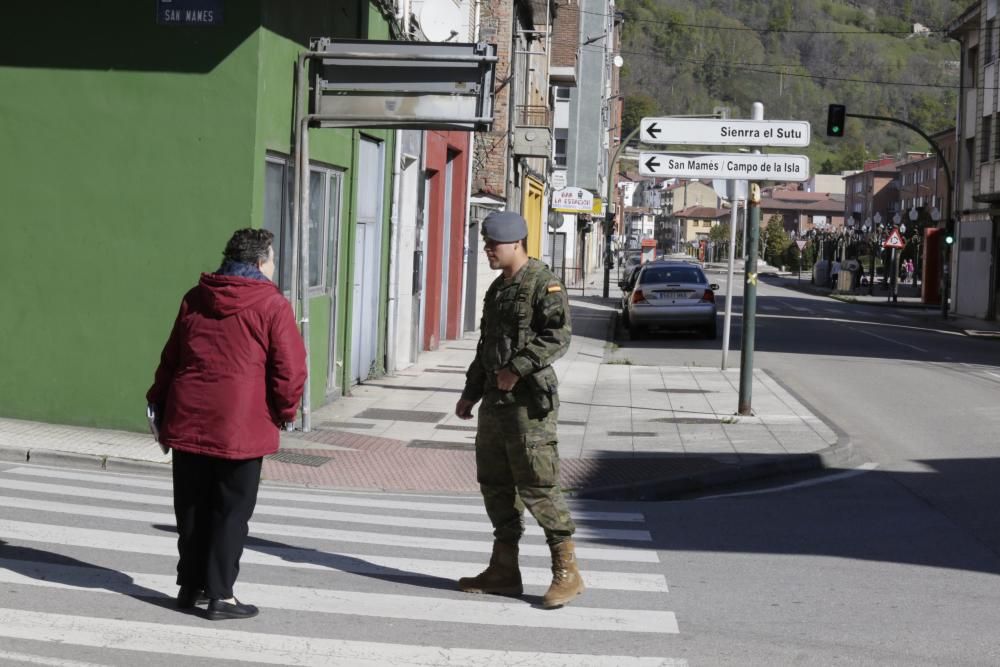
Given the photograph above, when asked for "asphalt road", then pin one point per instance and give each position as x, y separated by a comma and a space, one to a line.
896, 565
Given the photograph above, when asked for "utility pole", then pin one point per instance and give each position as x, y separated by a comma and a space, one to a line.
609, 216
750, 288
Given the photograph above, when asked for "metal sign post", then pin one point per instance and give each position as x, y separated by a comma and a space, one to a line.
727, 319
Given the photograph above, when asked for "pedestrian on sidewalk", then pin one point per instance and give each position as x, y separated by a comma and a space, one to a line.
525, 328
910, 271
231, 373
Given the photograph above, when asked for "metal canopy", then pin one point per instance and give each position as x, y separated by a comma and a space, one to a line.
404, 85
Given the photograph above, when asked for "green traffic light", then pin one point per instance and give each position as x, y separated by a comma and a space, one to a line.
835, 129
949, 239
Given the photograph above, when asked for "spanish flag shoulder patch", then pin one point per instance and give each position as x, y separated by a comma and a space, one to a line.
553, 288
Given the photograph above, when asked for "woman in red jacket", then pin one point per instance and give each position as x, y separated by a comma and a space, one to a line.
231, 374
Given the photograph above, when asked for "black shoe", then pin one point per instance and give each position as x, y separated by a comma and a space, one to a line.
220, 609
189, 596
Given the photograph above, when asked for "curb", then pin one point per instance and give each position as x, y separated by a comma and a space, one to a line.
839, 454
52, 457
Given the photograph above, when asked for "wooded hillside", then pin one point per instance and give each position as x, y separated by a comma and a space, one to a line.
796, 57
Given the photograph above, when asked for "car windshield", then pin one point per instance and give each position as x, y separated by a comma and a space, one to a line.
671, 274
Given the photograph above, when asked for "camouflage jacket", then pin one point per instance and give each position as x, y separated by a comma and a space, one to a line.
525, 327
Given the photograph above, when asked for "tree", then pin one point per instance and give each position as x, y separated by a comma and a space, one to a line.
637, 107
719, 236
776, 240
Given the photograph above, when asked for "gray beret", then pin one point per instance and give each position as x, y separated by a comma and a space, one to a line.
505, 227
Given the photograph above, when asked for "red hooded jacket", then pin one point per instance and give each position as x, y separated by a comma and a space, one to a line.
232, 370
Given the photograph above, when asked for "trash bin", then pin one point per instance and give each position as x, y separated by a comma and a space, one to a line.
821, 272
844, 280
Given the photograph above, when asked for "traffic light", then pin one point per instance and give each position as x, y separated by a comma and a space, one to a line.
836, 116
949, 232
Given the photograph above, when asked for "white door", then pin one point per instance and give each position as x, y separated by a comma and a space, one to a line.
367, 272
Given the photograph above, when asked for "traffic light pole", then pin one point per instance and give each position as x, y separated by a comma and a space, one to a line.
945, 249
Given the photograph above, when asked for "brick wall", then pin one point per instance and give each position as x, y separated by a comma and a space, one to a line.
566, 33
489, 171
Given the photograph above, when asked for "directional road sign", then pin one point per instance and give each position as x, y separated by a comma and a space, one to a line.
712, 132
895, 240
744, 166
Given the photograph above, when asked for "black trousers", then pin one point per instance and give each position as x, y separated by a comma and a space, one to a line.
213, 501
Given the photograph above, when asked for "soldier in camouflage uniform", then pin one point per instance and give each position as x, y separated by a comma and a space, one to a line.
525, 327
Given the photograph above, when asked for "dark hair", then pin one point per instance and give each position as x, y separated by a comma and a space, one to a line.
524, 244
248, 246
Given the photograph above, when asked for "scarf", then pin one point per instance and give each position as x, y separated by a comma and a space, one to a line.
240, 269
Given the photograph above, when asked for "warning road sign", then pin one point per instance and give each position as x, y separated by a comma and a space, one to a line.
895, 240
801, 244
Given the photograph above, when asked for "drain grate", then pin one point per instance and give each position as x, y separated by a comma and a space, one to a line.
300, 459
686, 420
633, 434
683, 391
385, 414
455, 427
436, 444
410, 387
336, 424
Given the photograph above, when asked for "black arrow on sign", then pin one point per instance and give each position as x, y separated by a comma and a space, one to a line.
653, 130
652, 164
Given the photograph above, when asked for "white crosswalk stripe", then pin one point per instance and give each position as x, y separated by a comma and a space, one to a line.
80, 551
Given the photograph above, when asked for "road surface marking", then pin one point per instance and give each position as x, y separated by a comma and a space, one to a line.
842, 320
327, 515
330, 534
475, 610
888, 340
452, 506
256, 647
44, 660
860, 470
310, 559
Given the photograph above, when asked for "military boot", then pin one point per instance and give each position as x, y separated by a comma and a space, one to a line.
566, 580
502, 576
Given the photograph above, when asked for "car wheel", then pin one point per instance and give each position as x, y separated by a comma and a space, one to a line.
625, 321
711, 331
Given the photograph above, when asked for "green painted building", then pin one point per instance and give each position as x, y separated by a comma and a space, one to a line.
130, 149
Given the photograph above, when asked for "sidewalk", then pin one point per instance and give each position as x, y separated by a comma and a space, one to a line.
625, 431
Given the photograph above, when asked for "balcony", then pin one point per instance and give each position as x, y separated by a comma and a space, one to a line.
533, 131
529, 115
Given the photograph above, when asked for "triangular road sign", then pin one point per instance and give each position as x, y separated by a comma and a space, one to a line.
895, 240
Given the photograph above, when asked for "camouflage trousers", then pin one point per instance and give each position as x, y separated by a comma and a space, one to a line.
517, 467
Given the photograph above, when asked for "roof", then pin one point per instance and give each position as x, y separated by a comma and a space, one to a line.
955, 28
702, 212
824, 205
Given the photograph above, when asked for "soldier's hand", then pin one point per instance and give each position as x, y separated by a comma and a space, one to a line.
506, 379
463, 409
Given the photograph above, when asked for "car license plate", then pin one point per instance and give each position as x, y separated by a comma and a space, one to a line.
672, 295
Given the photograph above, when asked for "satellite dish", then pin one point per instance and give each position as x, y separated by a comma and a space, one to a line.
440, 20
